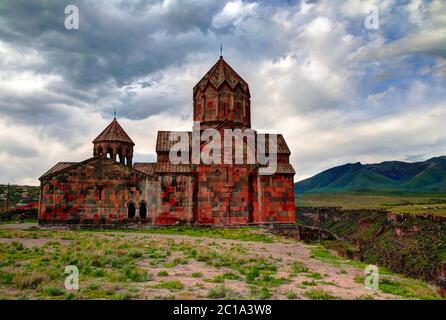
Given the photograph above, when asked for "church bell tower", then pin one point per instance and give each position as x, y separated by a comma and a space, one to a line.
222, 96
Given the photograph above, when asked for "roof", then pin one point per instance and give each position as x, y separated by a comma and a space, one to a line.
151, 168
58, 167
282, 147
147, 168
218, 74
173, 168
113, 132
163, 142
65, 166
285, 169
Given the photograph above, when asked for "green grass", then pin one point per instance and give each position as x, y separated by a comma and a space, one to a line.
314, 275
243, 234
395, 202
197, 274
319, 294
54, 292
175, 285
298, 267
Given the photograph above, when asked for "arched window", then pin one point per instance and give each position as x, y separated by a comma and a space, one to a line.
120, 156
143, 210
110, 153
131, 210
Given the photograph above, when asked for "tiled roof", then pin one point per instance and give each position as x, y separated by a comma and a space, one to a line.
282, 147
220, 73
152, 168
113, 132
147, 168
164, 144
65, 166
285, 169
173, 168
58, 167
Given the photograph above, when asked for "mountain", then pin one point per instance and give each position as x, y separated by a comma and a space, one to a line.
429, 175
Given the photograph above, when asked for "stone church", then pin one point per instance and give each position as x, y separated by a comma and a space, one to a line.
109, 189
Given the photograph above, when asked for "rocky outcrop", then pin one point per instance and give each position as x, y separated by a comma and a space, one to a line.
414, 245
303, 232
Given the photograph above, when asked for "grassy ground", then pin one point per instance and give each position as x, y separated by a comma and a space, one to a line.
394, 202
183, 263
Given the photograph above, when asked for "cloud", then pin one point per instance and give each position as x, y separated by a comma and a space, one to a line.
339, 92
233, 13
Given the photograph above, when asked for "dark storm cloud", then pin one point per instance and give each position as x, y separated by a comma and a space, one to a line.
116, 44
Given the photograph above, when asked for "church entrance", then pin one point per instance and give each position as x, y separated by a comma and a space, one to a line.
131, 210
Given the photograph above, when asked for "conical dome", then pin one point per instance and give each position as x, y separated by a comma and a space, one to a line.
115, 143
113, 132
218, 74
222, 96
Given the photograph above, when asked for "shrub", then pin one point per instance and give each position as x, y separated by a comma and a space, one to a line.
218, 292
197, 275
98, 273
314, 275
93, 286
135, 254
318, 294
265, 293
54, 292
69, 296
299, 267
134, 274
163, 273
29, 281
170, 285
6, 277
252, 274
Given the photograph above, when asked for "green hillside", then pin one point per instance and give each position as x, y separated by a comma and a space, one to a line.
425, 176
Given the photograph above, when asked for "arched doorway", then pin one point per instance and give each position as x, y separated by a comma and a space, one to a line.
143, 210
131, 210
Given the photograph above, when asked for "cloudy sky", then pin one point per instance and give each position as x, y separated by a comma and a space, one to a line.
339, 92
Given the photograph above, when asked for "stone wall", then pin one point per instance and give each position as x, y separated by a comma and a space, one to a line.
175, 199
96, 192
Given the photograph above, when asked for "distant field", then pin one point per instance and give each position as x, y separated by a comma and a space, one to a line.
394, 202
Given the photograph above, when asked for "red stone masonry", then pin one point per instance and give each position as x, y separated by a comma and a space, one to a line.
109, 189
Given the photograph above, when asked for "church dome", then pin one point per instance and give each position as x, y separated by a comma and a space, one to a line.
113, 132
115, 143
